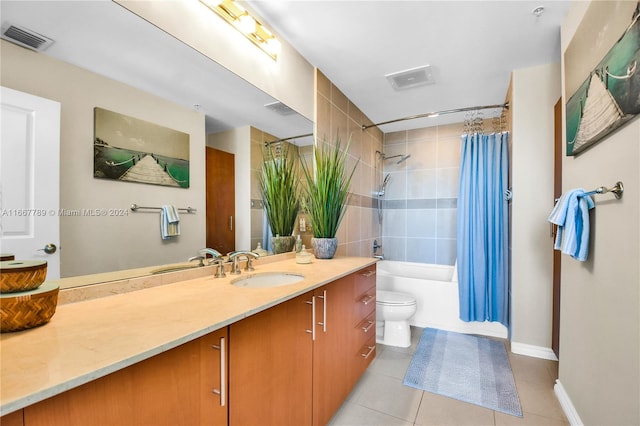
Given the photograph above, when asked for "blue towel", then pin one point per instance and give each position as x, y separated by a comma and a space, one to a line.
169, 222
571, 214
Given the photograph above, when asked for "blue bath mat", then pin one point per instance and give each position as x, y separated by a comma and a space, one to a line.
465, 367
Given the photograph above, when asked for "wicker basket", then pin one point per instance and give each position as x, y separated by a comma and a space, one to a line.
28, 309
22, 275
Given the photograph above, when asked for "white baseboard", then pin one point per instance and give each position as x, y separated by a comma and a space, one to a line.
532, 350
491, 329
567, 405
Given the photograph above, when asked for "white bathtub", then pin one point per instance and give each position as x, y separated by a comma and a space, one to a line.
435, 288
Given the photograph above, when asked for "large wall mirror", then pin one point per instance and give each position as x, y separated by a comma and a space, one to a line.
105, 56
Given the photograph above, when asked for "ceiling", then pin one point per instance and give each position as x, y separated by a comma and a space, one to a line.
472, 47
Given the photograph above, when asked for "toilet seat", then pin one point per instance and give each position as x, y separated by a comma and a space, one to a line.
394, 298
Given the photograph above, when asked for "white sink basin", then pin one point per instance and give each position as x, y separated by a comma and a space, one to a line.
267, 279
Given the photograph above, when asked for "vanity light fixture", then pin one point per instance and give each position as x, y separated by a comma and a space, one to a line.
240, 19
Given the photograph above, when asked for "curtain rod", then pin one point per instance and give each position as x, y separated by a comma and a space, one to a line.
437, 113
289, 138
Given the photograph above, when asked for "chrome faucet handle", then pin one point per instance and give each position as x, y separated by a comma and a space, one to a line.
213, 252
200, 258
220, 267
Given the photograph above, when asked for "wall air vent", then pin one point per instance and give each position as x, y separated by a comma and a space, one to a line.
280, 108
25, 37
410, 78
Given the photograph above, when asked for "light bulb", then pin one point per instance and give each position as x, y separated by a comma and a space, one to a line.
273, 46
247, 24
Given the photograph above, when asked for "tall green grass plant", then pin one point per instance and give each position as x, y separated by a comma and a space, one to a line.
326, 193
280, 187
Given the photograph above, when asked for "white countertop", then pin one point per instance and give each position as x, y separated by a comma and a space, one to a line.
90, 339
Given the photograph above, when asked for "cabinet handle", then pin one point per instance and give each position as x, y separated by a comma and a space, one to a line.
368, 354
368, 327
324, 311
366, 300
223, 373
313, 318
368, 273
230, 223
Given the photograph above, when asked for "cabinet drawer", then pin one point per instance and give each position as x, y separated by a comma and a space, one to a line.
365, 279
365, 329
363, 357
364, 304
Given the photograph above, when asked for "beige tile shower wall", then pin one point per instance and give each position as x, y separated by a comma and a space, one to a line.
338, 117
419, 219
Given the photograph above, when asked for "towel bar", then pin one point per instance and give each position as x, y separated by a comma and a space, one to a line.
135, 208
617, 190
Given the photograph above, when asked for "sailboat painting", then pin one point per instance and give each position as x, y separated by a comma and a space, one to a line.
602, 71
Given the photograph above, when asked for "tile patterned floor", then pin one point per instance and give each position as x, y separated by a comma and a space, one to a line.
381, 399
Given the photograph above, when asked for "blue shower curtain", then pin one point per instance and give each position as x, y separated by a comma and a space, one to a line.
482, 239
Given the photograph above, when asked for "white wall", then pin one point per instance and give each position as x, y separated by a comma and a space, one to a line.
96, 244
535, 91
600, 301
290, 79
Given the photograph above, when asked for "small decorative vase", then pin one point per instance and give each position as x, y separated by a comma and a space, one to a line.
324, 248
282, 244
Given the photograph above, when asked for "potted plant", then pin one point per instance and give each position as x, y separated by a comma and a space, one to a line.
279, 185
326, 195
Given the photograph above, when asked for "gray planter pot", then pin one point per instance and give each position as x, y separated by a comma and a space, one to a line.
324, 248
282, 244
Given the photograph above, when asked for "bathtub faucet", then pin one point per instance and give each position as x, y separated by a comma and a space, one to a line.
376, 246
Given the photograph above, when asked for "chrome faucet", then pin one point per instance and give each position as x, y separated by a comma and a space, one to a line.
200, 258
213, 252
233, 258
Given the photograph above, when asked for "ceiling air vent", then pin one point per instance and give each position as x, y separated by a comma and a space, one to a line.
411, 78
280, 108
26, 37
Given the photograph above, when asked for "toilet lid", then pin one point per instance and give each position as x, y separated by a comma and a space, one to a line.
394, 298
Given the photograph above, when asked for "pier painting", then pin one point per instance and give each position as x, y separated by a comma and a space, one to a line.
604, 84
133, 150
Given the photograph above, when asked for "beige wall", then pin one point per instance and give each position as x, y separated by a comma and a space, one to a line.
289, 79
96, 244
535, 91
600, 301
338, 116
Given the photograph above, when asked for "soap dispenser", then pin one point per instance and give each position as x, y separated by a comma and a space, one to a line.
260, 251
303, 256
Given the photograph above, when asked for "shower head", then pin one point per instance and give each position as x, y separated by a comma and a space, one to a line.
386, 179
403, 158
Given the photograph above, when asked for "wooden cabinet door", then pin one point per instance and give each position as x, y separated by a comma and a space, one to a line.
270, 366
105, 401
13, 419
172, 388
331, 349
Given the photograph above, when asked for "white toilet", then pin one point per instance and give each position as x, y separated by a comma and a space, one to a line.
393, 311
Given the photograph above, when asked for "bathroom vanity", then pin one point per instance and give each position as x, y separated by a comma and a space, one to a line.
201, 351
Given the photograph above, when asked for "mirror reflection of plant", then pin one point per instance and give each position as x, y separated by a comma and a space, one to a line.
327, 187
279, 185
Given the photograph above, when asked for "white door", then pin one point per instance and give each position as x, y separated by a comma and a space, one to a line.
30, 178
